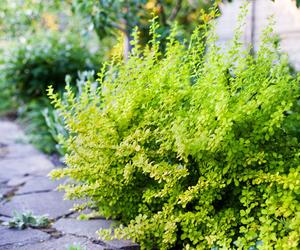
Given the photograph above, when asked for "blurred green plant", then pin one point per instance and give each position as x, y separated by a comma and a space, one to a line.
114, 17
27, 219
7, 102
111, 17
41, 42
54, 121
43, 59
75, 246
30, 116
30, 66
19, 17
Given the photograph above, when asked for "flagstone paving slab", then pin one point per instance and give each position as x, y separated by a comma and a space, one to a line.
37, 164
85, 228
38, 184
50, 203
10, 132
17, 181
62, 244
9, 237
18, 150
88, 228
3, 150
4, 219
3, 179
5, 191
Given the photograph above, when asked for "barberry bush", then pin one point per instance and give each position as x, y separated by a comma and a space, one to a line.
192, 149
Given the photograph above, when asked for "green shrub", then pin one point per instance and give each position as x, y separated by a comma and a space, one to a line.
45, 59
192, 149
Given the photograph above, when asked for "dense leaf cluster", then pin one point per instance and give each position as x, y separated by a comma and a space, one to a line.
193, 149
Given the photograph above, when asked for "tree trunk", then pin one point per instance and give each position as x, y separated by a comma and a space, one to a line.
127, 46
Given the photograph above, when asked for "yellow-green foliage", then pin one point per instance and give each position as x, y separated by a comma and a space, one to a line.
190, 149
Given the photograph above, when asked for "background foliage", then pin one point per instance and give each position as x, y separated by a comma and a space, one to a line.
111, 17
19, 16
43, 59
41, 42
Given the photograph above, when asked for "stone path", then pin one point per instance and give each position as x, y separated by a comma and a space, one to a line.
24, 186
285, 13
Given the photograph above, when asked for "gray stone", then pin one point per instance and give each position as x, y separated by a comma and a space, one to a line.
17, 181
85, 228
62, 244
14, 151
10, 132
6, 191
122, 244
3, 150
13, 237
38, 184
37, 164
4, 219
48, 203
3, 180
90, 214
88, 228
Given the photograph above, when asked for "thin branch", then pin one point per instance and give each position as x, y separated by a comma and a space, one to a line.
162, 13
175, 10
117, 26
